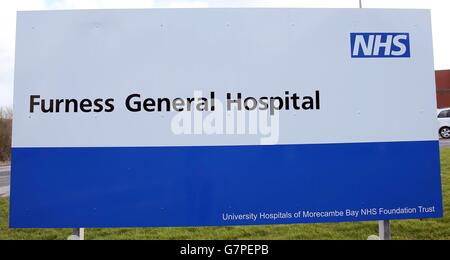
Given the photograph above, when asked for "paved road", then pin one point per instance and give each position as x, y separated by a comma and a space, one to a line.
445, 143
5, 172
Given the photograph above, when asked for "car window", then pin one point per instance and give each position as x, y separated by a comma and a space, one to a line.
444, 114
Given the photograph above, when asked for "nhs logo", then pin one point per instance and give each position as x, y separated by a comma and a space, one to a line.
380, 45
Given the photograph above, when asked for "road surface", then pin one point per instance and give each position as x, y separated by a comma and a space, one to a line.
5, 172
445, 143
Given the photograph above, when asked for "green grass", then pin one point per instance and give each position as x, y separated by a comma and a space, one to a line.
410, 229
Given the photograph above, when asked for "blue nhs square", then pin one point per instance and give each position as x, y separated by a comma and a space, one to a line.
380, 45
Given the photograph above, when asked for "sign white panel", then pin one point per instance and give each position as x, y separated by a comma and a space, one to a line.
257, 52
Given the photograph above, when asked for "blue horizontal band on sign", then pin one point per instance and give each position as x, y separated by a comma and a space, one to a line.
203, 186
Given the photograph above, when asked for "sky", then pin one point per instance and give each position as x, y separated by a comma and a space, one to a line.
440, 18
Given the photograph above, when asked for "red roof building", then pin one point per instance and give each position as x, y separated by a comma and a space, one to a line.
443, 88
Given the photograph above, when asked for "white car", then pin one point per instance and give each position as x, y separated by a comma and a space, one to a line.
444, 122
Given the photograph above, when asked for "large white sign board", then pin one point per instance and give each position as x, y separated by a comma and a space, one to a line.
352, 92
